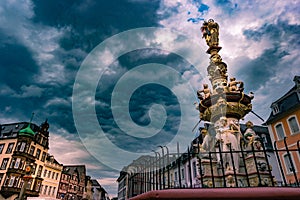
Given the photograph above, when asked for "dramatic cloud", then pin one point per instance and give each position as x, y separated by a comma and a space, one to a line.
260, 42
43, 45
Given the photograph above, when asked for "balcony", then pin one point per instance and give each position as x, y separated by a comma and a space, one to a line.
16, 171
9, 191
23, 154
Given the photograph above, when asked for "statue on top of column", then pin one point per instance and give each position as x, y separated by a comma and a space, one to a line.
210, 31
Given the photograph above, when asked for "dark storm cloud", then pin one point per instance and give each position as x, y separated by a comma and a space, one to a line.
93, 21
141, 100
262, 68
282, 31
17, 66
85, 24
266, 65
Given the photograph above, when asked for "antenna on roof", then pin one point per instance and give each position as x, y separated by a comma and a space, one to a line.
31, 117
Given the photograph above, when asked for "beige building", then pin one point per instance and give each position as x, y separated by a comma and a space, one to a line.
51, 175
22, 144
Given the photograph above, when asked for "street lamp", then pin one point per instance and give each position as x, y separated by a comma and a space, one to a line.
156, 153
168, 164
26, 178
163, 160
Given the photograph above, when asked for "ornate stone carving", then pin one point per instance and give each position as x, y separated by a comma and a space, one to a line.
235, 86
206, 92
210, 31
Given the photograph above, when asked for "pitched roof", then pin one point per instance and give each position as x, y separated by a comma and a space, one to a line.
12, 130
52, 159
286, 103
95, 183
80, 169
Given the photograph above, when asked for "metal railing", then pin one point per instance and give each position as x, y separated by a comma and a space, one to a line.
253, 170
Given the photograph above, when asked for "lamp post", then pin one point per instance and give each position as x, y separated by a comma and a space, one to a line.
163, 167
168, 164
156, 153
26, 178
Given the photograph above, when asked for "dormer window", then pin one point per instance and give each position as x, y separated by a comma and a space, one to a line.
275, 109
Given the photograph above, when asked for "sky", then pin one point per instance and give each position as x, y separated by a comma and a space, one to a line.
117, 78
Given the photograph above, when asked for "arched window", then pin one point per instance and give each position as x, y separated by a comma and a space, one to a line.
279, 131
293, 124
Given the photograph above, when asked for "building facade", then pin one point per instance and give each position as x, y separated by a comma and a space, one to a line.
99, 192
51, 175
283, 124
72, 183
123, 184
22, 144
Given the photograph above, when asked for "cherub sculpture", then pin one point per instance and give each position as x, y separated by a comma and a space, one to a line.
250, 137
206, 92
233, 85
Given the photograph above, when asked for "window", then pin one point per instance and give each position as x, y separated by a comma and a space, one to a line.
21, 146
29, 184
49, 174
45, 173
182, 173
11, 181
49, 191
175, 174
31, 151
43, 157
17, 163
1, 147
6, 180
288, 163
53, 191
56, 177
275, 109
1, 177
45, 189
293, 124
264, 140
45, 142
38, 186
194, 169
16, 182
12, 163
279, 131
10, 147
33, 168
38, 138
53, 175
21, 164
39, 173
38, 153
4, 163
